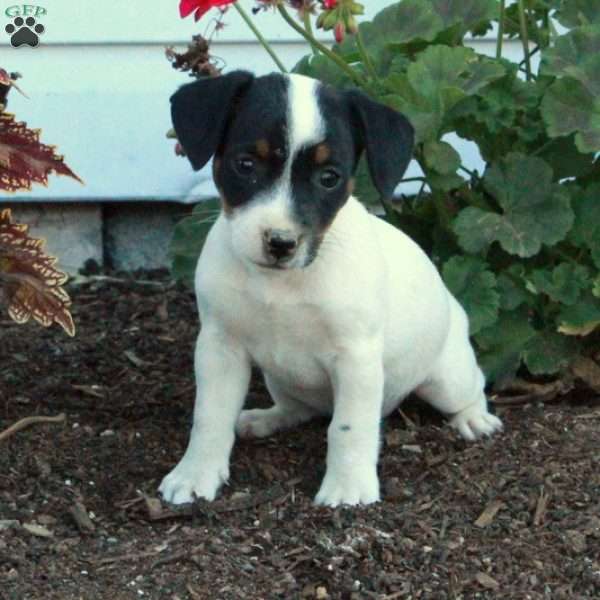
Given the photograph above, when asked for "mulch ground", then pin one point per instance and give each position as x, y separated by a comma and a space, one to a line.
516, 516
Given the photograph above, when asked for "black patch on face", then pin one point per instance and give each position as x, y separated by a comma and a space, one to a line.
316, 202
227, 116
345, 428
259, 123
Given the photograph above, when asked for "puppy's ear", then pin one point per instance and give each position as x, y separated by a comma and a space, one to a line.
200, 112
388, 138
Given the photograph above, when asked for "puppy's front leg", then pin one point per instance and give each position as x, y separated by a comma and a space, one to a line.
222, 371
353, 435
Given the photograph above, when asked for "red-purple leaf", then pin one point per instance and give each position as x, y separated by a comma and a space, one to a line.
29, 281
24, 159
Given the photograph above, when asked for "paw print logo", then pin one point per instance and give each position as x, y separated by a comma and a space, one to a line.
24, 32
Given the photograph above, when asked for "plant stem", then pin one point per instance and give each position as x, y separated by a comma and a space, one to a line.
260, 37
534, 51
418, 197
471, 174
365, 55
524, 38
546, 28
308, 27
500, 37
338, 60
533, 77
543, 147
413, 179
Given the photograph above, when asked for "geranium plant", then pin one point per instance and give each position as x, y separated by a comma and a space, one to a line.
519, 243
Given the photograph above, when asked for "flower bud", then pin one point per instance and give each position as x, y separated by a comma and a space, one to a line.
351, 25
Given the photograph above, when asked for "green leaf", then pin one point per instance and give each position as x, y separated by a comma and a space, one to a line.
568, 107
549, 352
395, 26
476, 228
474, 286
577, 55
535, 210
441, 157
437, 74
482, 73
188, 239
501, 346
511, 285
573, 13
504, 118
421, 112
324, 69
470, 14
444, 183
581, 318
405, 22
596, 288
586, 228
563, 284
413, 21
565, 159
435, 82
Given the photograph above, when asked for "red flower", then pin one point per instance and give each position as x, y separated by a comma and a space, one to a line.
329, 4
199, 7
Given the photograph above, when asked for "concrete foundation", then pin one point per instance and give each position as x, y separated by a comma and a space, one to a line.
125, 236
73, 232
138, 235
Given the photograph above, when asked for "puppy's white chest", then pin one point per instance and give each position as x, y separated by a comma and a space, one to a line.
285, 334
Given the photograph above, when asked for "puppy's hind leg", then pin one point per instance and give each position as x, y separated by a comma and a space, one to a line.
456, 384
285, 413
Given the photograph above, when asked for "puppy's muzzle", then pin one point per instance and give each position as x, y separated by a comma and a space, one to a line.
280, 244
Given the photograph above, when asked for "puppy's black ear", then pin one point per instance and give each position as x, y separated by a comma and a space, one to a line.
388, 138
200, 112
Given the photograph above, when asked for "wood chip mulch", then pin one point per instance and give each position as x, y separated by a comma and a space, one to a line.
516, 516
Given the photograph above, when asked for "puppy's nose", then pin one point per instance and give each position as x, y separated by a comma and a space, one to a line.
280, 243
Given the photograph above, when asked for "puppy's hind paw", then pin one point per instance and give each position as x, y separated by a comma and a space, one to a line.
259, 422
475, 422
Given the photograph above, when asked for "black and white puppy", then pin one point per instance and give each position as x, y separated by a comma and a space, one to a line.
344, 314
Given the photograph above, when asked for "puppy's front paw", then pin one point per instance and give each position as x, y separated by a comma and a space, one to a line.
475, 421
360, 487
188, 481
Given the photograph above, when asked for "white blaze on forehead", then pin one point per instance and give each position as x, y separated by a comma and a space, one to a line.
273, 208
305, 121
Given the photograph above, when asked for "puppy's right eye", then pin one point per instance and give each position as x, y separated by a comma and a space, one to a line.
245, 165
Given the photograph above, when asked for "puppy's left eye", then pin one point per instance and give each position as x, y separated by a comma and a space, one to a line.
245, 165
329, 179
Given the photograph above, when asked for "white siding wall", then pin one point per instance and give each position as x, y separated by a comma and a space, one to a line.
99, 88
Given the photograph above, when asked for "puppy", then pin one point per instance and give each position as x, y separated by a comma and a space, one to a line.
344, 314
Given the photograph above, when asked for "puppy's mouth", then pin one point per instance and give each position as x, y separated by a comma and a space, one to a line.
277, 265
272, 266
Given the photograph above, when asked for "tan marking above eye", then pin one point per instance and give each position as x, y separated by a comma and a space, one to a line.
322, 153
263, 148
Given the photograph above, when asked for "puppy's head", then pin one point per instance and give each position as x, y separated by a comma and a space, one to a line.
285, 150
